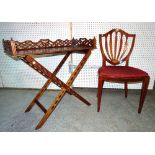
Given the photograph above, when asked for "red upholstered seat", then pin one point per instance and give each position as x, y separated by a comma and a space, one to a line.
115, 72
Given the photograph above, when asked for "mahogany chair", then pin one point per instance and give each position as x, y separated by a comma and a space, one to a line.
116, 47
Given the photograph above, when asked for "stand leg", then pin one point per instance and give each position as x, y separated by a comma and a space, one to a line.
40, 93
63, 91
43, 89
51, 108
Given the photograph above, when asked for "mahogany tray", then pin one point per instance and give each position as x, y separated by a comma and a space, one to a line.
46, 46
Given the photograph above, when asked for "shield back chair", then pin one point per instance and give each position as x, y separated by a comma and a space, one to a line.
116, 47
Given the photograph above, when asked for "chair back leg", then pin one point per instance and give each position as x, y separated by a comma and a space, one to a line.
126, 89
144, 89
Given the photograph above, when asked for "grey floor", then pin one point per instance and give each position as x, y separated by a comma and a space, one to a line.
117, 112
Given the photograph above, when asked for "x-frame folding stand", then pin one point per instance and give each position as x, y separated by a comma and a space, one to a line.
85, 48
52, 78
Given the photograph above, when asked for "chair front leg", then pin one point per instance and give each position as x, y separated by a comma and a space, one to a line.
99, 93
145, 84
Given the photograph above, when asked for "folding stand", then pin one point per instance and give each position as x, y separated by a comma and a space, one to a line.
27, 49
